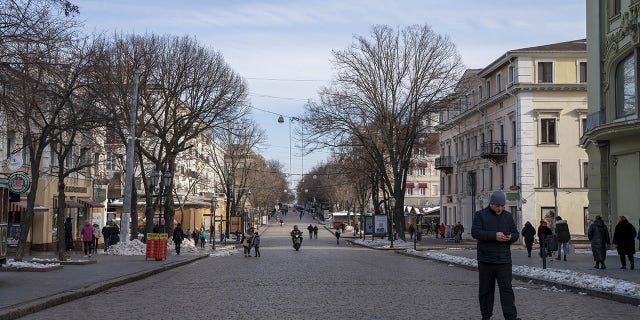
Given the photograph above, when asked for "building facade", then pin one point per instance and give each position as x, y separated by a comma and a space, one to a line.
613, 127
516, 128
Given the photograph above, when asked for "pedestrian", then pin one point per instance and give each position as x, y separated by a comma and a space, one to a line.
114, 234
195, 236
562, 236
255, 243
315, 231
599, 237
246, 244
458, 229
495, 230
106, 233
310, 229
625, 242
96, 236
528, 233
544, 234
338, 232
411, 231
87, 238
203, 237
441, 229
178, 236
68, 235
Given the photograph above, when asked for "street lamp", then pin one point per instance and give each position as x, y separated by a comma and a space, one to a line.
392, 203
281, 120
212, 229
159, 187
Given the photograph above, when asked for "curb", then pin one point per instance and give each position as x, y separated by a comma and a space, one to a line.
574, 289
23, 309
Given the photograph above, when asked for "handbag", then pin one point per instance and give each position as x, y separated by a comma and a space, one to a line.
571, 249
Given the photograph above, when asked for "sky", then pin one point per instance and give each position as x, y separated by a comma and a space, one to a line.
283, 48
454, 257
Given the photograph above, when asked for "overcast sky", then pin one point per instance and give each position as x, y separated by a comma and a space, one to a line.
283, 48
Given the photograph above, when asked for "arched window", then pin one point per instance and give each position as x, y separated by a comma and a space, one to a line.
626, 87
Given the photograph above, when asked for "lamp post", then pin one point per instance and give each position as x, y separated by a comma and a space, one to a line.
212, 229
281, 120
159, 188
392, 203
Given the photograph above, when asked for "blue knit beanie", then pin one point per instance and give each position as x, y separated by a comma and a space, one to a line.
497, 197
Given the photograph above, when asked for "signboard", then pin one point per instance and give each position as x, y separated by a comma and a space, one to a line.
234, 224
156, 246
14, 162
19, 182
368, 224
380, 224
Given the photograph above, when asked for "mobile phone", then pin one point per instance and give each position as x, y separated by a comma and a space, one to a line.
507, 233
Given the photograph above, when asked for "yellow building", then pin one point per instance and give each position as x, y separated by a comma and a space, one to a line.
517, 129
613, 128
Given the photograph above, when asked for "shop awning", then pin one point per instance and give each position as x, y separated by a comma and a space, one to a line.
422, 185
90, 203
22, 207
68, 203
411, 185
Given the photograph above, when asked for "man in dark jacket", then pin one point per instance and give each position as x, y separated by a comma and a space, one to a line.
495, 230
563, 236
625, 242
178, 236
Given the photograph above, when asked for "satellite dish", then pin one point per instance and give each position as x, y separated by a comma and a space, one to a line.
14, 162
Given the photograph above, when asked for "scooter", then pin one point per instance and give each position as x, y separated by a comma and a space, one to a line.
297, 242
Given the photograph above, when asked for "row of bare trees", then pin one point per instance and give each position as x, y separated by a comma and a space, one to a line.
63, 91
388, 90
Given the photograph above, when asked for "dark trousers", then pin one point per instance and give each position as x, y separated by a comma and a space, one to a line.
623, 261
488, 275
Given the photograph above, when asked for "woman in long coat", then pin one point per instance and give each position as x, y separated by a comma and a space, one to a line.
624, 238
599, 237
528, 233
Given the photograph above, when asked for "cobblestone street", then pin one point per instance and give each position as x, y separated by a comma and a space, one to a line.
321, 281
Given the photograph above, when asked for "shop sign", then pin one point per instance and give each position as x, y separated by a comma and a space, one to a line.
19, 182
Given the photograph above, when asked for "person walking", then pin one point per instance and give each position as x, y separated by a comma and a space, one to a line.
195, 236
338, 232
315, 231
528, 233
441, 229
458, 229
598, 235
411, 231
203, 237
310, 229
562, 236
624, 239
87, 238
178, 236
255, 243
246, 244
544, 234
68, 235
106, 232
96, 237
495, 230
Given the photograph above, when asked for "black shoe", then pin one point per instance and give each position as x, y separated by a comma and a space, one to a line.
632, 266
596, 266
623, 267
565, 257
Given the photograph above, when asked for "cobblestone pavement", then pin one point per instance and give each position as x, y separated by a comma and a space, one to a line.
322, 280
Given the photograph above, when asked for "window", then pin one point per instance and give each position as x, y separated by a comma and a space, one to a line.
490, 178
501, 170
615, 7
435, 190
582, 71
626, 87
585, 174
449, 184
548, 131
409, 191
512, 74
488, 88
583, 126
110, 164
514, 174
545, 72
548, 174
423, 191
479, 93
498, 82
513, 133
410, 171
482, 175
422, 171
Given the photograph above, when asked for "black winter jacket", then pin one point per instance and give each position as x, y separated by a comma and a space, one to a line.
485, 225
562, 231
624, 237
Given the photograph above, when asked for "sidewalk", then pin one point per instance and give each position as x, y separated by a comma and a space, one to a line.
28, 292
570, 275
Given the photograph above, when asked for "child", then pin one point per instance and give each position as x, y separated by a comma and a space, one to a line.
255, 242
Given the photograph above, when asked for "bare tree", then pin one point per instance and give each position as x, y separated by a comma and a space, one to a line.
387, 88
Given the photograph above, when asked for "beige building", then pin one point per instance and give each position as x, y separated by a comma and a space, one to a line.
613, 128
423, 180
517, 129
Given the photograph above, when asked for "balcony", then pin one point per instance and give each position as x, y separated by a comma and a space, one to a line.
445, 164
594, 120
494, 151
